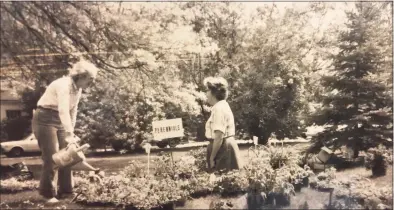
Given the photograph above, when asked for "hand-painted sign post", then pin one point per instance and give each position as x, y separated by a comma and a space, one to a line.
165, 129
147, 150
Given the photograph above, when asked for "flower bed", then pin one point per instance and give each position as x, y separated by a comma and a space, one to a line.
355, 192
12, 185
171, 182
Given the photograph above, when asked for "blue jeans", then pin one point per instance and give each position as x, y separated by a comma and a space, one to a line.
50, 134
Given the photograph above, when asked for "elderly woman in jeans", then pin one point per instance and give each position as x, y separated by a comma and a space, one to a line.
53, 126
223, 152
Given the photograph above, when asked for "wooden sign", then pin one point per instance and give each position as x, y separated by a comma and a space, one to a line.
165, 129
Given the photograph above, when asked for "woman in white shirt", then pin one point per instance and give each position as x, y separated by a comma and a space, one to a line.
53, 125
222, 152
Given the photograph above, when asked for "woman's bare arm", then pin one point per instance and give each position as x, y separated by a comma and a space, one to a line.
217, 142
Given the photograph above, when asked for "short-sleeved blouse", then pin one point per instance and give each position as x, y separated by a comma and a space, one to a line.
221, 119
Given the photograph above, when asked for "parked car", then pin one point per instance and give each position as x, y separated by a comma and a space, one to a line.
20, 147
168, 142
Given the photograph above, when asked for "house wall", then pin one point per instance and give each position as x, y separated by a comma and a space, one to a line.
9, 105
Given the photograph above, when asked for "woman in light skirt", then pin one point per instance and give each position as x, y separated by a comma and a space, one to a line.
222, 152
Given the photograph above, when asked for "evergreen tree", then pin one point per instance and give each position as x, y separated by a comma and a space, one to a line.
359, 105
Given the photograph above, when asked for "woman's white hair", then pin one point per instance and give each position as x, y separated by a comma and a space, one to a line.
83, 67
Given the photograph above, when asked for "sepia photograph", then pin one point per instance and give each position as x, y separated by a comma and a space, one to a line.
169, 105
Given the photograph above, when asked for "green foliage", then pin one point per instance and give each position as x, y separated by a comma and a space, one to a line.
279, 156
378, 159
12, 185
15, 129
171, 181
200, 156
324, 180
3, 133
359, 192
232, 183
153, 69
357, 99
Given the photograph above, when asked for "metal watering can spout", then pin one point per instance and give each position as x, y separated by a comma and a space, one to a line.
69, 156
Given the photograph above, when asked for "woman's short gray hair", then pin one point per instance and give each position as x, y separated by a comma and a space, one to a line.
83, 67
218, 87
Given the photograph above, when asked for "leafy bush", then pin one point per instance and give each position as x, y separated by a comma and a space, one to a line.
280, 156
15, 129
142, 193
12, 185
378, 159
186, 167
165, 167
121, 116
135, 169
358, 190
199, 185
324, 180
176, 180
3, 133
294, 173
232, 183
220, 205
200, 156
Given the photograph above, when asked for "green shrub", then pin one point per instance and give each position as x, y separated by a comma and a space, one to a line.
121, 116
232, 183
135, 169
12, 185
15, 129
378, 159
3, 133
358, 190
199, 185
200, 156
324, 180
279, 156
176, 180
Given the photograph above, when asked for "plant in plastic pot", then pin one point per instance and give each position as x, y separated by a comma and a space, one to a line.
378, 159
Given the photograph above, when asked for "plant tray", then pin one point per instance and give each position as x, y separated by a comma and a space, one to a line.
323, 189
200, 193
167, 206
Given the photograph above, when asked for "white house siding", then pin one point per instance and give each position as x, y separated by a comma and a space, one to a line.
9, 105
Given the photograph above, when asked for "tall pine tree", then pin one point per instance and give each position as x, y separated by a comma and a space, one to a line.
358, 105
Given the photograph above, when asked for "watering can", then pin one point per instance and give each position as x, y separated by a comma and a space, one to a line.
70, 156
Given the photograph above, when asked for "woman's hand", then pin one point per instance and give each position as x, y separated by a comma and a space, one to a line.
70, 138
